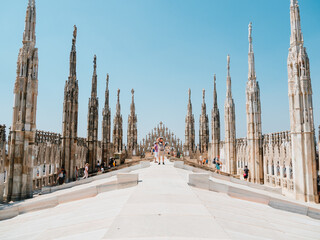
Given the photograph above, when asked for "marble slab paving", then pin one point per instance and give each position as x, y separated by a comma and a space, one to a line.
162, 206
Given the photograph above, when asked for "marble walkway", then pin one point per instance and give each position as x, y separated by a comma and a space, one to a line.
161, 206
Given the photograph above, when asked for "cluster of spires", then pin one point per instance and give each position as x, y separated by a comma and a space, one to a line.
253, 116
299, 85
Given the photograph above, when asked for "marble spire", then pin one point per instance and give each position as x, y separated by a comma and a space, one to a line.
29, 35
189, 145
253, 110
230, 126
301, 113
203, 127
93, 116
106, 126
132, 132
70, 113
117, 127
24, 113
215, 122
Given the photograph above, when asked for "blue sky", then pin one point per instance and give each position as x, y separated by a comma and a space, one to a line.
160, 48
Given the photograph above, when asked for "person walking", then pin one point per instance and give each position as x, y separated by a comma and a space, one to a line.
246, 173
86, 171
156, 151
161, 150
218, 165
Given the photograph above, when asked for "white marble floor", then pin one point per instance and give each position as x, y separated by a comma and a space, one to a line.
162, 206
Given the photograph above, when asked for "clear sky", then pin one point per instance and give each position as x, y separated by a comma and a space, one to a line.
160, 48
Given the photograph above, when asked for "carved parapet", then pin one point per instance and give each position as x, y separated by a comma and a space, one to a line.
2, 133
277, 138
241, 141
82, 142
47, 137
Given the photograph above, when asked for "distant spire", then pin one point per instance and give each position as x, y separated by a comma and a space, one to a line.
251, 71
94, 78
189, 102
29, 34
229, 93
132, 92
107, 93
250, 38
228, 65
215, 101
296, 33
132, 108
73, 54
118, 102
203, 96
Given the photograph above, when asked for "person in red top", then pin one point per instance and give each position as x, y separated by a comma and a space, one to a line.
161, 150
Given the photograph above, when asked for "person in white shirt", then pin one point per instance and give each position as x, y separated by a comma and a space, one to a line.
161, 148
86, 171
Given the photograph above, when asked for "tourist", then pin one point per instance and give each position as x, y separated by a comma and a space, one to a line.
86, 171
155, 151
214, 160
98, 166
200, 160
161, 150
246, 173
61, 176
218, 165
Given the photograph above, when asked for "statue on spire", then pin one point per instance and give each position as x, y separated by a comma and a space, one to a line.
74, 32
203, 94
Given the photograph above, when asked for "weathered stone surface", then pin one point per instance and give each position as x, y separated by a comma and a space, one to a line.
203, 127
117, 128
93, 108
200, 180
70, 114
123, 178
24, 113
301, 113
106, 127
230, 151
132, 132
215, 124
189, 143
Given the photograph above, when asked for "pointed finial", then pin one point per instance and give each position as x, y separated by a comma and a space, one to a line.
118, 94
132, 92
294, 2
250, 38
74, 32
189, 94
32, 3
214, 79
203, 94
228, 66
107, 80
95, 62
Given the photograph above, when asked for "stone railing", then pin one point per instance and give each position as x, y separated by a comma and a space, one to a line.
42, 137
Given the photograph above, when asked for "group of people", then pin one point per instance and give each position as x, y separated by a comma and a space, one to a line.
159, 150
217, 163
